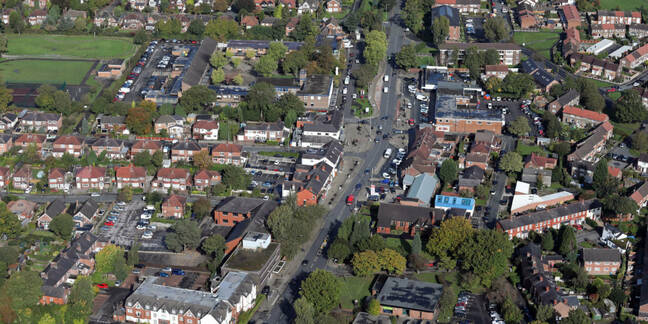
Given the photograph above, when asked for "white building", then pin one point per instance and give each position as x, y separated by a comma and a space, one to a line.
256, 240
601, 46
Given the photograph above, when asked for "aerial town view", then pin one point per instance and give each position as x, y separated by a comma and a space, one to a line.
324, 161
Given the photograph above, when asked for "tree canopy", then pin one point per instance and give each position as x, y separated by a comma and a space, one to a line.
322, 290
185, 234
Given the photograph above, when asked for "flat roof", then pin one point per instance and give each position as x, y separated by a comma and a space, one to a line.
446, 107
454, 202
410, 294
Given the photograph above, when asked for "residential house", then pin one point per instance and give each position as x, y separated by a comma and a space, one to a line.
91, 177
85, 213
317, 92
69, 144
23, 209
149, 146
470, 178
582, 118
640, 196
642, 163
544, 80
333, 6
601, 261
173, 206
42, 4
37, 17
499, 71
532, 175
5, 176
235, 210
464, 6
477, 159
249, 21
407, 298
109, 124
540, 162
185, 151
582, 171
526, 19
307, 6
570, 98
133, 21
269, 21
263, 132
608, 30
8, 121
635, 58
262, 4
638, 30
6, 143
524, 201
290, 4
205, 130
203, 180
172, 179
319, 130
114, 148
56, 179
407, 219
539, 221
588, 148
617, 17
291, 25
424, 153
309, 184
22, 178
595, 66
510, 53
130, 176
73, 15
26, 140
173, 125
227, 153
570, 16
454, 20
39, 121
55, 208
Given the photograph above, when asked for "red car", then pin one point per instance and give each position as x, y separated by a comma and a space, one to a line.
102, 286
611, 90
410, 121
109, 223
349, 200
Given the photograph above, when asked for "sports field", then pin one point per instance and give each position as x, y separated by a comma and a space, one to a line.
44, 71
540, 41
70, 46
622, 5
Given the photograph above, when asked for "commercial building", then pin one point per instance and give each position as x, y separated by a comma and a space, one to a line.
408, 219
316, 92
524, 201
408, 298
450, 115
601, 46
509, 53
459, 205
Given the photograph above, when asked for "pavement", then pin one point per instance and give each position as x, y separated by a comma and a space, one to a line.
287, 292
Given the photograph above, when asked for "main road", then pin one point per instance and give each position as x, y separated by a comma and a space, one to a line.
282, 312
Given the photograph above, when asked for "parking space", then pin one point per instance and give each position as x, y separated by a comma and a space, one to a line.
474, 28
471, 308
122, 225
271, 164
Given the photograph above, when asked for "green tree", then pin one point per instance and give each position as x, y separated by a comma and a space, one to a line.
473, 61
365, 263
511, 312
639, 141
413, 14
62, 225
576, 316
406, 58
496, 29
591, 98
222, 29
304, 29
294, 62
491, 57
601, 178
511, 162
217, 76
339, 250
82, 295
214, 246
6, 97
440, 29
277, 50
47, 319
125, 194
629, 107
266, 65
376, 47
518, 84
446, 239
139, 120
235, 177
544, 312
548, 241
185, 234
238, 79
486, 254
304, 311
417, 245
16, 23
196, 27
288, 219
202, 207
197, 98
9, 222
120, 268
4, 44
322, 290
448, 172
140, 37
373, 307
567, 240
24, 287
105, 259
493, 84
519, 126
218, 60
391, 261
132, 257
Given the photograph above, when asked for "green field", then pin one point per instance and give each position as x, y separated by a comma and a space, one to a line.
70, 46
353, 288
540, 41
44, 71
622, 5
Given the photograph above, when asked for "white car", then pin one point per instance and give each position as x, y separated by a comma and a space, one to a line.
147, 235
386, 175
145, 216
397, 161
95, 194
402, 151
28, 190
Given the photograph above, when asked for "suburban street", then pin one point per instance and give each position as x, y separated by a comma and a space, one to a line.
282, 311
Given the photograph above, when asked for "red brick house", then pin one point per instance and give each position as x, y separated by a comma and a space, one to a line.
25, 140
499, 71
34, 120
477, 159
580, 117
601, 261
540, 162
172, 178
184, 151
406, 218
22, 177
56, 179
24, 209
204, 179
91, 177
570, 16
130, 176
249, 21
6, 143
70, 144
173, 207
5, 176
236, 209
640, 196
145, 145
333, 6
227, 153
114, 148
205, 130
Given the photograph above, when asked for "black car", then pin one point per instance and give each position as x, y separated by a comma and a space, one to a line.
265, 290
305, 262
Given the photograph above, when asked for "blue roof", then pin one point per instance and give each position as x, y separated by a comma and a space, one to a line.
442, 201
423, 187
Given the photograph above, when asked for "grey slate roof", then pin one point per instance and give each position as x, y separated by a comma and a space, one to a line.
240, 205
446, 11
567, 97
411, 214
423, 187
601, 255
549, 214
200, 62
410, 294
55, 208
88, 208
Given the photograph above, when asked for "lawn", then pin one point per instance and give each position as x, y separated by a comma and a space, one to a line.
622, 5
70, 46
353, 288
614, 95
625, 129
524, 149
540, 42
44, 71
600, 83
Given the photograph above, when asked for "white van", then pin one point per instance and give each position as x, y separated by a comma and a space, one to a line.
344, 91
346, 80
386, 78
388, 153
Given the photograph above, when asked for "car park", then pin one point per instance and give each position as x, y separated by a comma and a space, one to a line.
147, 235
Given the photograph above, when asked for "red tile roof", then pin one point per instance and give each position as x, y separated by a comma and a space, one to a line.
56, 173
227, 147
496, 68
614, 171
31, 138
147, 145
68, 140
570, 12
173, 173
175, 200
206, 174
607, 126
249, 21
206, 124
91, 172
130, 172
584, 113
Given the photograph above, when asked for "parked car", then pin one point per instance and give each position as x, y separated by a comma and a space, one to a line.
102, 285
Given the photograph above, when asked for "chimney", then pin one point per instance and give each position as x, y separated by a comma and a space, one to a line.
316, 177
555, 302
541, 278
547, 288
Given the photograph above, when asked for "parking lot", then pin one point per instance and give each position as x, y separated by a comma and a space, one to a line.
474, 28
124, 230
471, 308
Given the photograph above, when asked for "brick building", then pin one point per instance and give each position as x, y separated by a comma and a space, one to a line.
601, 261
